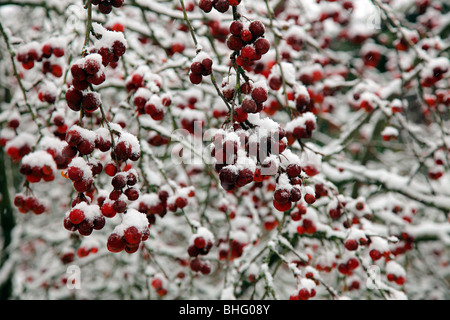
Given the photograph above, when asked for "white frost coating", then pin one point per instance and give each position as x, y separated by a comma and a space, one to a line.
395, 268
85, 133
356, 234
288, 72
132, 140
134, 218
202, 55
22, 139
309, 158
149, 199
39, 159
284, 182
79, 162
204, 233
389, 131
240, 236
379, 244
103, 133
108, 37
288, 157
49, 142
307, 284
143, 92
227, 294
300, 122
91, 211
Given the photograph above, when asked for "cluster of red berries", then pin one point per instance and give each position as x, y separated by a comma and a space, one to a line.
116, 202
150, 103
434, 72
254, 96
54, 147
81, 139
200, 67
84, 218
159, 283
248, 42
29, 203
200, 243
347, 267
31, 53
128, 235
230, 250
127, 147
77, 99
285, 192
220, 5
306, 290
19, 146
155, 139
198, 265
307, 226
110, 45
301, 127
47, 93
37, 166
157, 204
88, 70
86, 248
105, 6
81, 174
395, 273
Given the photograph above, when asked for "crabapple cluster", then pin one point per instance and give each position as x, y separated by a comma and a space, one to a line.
306, 290
166, 199
129, 234
47, 93
219, 5
201, 66
84, 218
106, 6
348, 265
110, 45
37, 166
123, 189
87, 247
248, 42
159, 283
19, 146
47, 53
149, 103
28, 203
199, 245
395, 272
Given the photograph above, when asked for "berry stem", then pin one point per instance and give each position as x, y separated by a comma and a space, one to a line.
191, 29
88, 7
19, 81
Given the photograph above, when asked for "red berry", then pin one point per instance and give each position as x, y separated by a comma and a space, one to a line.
259, 94
200, 242
375, 254
115, 243
236, 28
76, 216
105, 7
257, 29
132, 235
351, 244
221, 5
205, 5
262, 46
